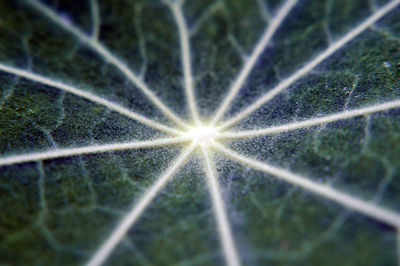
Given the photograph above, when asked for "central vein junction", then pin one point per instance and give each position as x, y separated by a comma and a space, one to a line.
205, 135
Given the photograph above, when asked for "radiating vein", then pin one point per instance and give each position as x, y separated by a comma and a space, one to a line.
252, 60
108, 57
176, 9
87, 95
312, 122
228, 244
335, 46
369, 209
67, 152
137, 210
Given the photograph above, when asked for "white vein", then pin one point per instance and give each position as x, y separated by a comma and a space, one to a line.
186, 58
335, 46
137, 210
108, 57
94, 5
312, 122
228, 244
252, 60
369, 209
87, 95
58, 153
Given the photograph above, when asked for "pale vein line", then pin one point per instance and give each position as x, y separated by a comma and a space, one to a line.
369, 209
94, 5
264, 10
252, 60
138, 208
186, 58
228, 244
87, 95
311, 122
108, 57
58, 153
313, 63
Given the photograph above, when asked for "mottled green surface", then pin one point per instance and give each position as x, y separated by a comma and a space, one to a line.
58, 212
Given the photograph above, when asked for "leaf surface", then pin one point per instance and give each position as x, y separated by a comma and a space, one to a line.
60, 211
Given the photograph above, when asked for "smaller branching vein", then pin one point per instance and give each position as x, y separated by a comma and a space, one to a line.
398, 244
94, 6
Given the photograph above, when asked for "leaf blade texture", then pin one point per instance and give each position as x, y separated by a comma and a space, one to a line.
183, 132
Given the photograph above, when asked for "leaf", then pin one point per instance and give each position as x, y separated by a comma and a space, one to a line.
199, 132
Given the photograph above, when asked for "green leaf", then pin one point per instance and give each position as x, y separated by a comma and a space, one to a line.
199, 132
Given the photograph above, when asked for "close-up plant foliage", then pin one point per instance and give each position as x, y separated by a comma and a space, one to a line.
212, 132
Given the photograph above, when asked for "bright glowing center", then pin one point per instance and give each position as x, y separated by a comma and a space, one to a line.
205, 135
